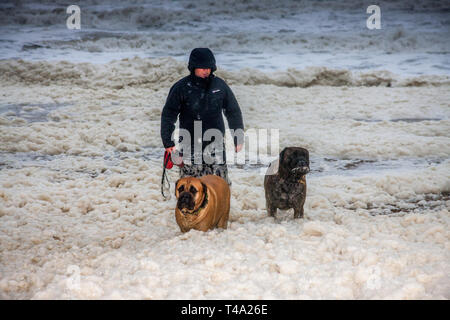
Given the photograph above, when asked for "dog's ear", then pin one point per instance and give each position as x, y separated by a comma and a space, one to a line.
176, 187
306, 156
282, 155
204, 188
282, 170
306, 153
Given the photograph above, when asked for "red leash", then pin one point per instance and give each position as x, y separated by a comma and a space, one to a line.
167, 164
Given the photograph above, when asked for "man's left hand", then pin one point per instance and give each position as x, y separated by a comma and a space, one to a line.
238, 147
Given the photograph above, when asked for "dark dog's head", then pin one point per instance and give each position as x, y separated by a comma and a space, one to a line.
190, 193
294, 161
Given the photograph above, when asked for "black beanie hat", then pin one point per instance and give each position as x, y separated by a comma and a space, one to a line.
202, 58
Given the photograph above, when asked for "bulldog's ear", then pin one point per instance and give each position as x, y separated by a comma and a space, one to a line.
282, 170
176, 187
306, 155
282, 155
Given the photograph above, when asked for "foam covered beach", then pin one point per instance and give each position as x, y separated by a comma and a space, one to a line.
81, 213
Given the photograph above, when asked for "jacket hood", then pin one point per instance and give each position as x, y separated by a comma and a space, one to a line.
202, 58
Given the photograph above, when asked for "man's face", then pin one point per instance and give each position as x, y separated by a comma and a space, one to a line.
202, 73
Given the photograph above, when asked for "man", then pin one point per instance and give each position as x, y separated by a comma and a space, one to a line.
198, 100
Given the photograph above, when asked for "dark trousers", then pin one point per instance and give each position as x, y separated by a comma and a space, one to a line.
198, 170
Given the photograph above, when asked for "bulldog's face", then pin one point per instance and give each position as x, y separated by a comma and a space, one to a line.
294, 161
190, 193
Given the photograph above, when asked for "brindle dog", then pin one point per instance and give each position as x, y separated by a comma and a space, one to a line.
286, 188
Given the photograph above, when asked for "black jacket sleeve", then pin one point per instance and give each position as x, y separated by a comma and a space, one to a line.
233, 114
169, 116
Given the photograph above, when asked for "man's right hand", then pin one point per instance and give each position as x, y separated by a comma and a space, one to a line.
170, 149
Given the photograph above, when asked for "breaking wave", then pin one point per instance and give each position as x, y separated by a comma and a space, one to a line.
396, 40
235, 26
163, 72
161, 14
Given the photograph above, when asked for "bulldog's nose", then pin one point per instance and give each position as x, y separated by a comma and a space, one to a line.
303, 163
185, 196
302, 166
185, 200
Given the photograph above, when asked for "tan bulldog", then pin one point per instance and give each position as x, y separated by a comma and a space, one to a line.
203, 203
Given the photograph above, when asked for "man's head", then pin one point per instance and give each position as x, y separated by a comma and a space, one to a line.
202, 73
202, 62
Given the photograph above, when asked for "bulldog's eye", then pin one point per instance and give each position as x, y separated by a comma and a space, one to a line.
192, 190
181, 189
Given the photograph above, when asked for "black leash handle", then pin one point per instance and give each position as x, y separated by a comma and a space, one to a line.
164, 177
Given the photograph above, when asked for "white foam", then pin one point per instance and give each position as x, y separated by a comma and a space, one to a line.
82, 215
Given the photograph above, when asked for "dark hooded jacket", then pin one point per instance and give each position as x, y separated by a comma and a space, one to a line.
196, 99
